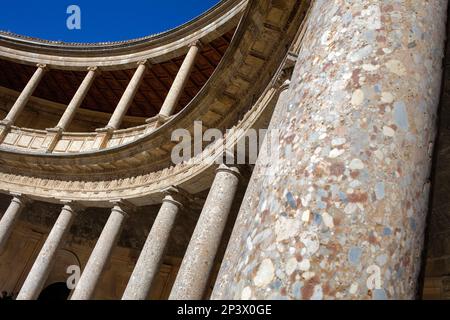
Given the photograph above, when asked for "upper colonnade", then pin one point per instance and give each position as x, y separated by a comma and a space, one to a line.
135, 163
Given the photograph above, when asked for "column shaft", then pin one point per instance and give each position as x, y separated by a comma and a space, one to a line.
10, 218
25, 95
77, 99
35, 280
127, 97
100, 255
149, 261
180, 81
198, 260
340, 214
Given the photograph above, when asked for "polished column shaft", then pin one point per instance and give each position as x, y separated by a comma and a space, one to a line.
10, 218
149, 261
77, 99
198, 261
100, 255
25, 95
42, 266
127, 97
179, 83
341, 212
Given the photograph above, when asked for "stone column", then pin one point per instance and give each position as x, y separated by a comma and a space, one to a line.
149, 261
180, 81
77, 99
343, 214
198, 260
10, 218
22, 100
100, 255
55, 133
35, 281
127, 97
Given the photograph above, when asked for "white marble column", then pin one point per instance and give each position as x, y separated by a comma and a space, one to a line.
54, 134
77, 99
10, 218
180, 81
35, 280
198, 260
21, 101
149, 261
100, 255
127, 97
25, 94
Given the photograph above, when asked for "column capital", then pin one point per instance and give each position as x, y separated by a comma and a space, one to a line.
72, 206
20, 198
177, 196
95, 69
233, 169
42, 66
196, 43
123, 206
144, 62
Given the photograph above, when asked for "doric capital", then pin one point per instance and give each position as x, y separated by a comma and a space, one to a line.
176, 196
95, 69
72, 206
42, 66
144, 62
123, 206
20, 198
196, 43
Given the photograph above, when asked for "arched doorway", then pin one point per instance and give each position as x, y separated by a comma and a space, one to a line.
55, 292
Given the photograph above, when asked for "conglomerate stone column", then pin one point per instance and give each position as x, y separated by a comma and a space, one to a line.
340, 214
42, 266
179, 83
10, 217
150, 259
85, 287
193, 276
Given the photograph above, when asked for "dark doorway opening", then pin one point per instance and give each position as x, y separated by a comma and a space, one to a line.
55, 292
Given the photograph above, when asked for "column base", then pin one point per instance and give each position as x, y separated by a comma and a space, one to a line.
5, 127
102, 138
51, 139
156, 121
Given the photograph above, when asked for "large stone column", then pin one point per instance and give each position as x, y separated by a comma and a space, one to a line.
85, 287
127, 97
10, 217
147, 266
35, 280
340, 214
22, 100
54, 134
26, 94
193, 276
179, 83
77, 99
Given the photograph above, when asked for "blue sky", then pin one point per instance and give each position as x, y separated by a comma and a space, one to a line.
101, 20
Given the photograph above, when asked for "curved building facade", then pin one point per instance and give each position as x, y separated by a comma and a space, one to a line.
264, 150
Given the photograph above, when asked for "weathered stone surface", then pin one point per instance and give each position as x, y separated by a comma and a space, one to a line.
367, 198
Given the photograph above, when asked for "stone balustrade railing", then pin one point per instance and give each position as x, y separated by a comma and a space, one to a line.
32, 140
